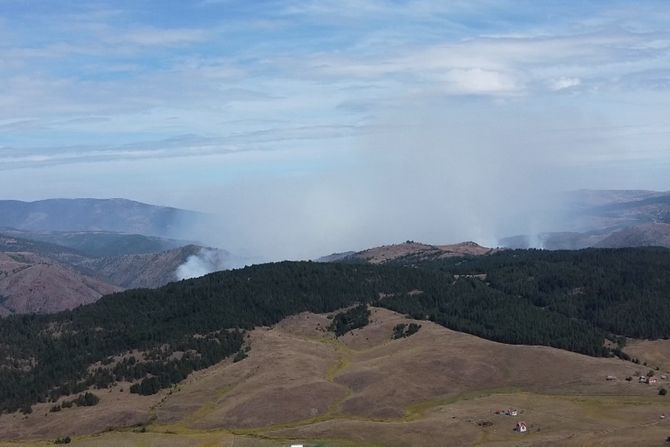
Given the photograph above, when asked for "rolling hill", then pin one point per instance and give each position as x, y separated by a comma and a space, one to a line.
300, 384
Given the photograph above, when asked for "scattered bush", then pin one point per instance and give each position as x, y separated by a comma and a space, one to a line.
147, 386
405, 330
354, 318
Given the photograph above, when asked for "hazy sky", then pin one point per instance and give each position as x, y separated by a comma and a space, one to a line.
315, 126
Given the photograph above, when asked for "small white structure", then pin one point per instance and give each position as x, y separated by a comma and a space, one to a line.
513, 412
643, 379
651, 380
610, 378
296, 445
663, 377
521, 427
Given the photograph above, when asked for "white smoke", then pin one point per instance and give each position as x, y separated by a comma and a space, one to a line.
436, 170
207, 260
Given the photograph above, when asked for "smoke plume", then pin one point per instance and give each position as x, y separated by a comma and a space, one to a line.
207, 260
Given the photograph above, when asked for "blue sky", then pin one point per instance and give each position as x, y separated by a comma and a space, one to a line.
325, 115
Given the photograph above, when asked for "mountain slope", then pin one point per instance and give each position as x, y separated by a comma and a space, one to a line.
606, 219
116, 215
148, 270
32, 284
656, 234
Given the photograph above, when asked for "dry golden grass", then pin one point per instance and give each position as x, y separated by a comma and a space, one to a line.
655, 352
115, 409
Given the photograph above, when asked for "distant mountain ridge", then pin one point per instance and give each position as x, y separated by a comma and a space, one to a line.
99, 243
114, 215
607, 219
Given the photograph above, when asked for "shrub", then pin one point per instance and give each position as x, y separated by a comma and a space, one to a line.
241, 355
405, 330
354, 318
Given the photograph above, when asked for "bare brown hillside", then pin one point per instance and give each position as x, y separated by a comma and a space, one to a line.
33, 284
141, 270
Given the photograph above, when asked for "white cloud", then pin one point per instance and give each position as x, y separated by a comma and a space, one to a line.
481, 81
160, 37
564, 83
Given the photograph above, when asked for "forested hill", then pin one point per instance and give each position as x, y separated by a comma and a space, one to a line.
615, 291
570, 300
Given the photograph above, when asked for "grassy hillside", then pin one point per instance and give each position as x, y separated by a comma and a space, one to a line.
300, 384
570, 300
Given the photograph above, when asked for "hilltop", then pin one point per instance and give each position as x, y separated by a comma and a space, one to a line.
409, 250
300, 384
